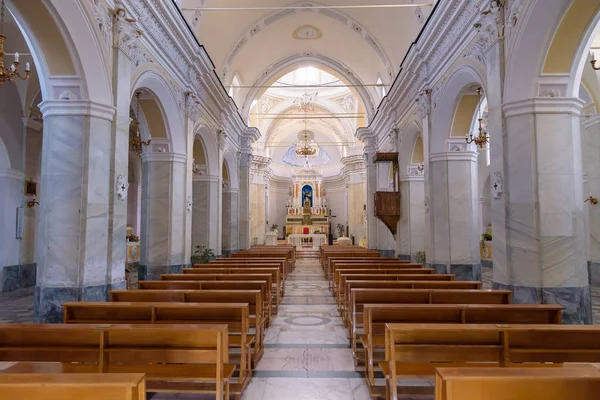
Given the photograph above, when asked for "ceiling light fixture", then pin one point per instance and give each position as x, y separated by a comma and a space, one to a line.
135, 142
9, 74
482, 138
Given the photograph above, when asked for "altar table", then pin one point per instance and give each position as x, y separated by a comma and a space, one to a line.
317, 239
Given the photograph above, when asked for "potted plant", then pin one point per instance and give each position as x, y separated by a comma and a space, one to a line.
485, 237
133, 239
202, 255
275, 228
340, 229
420, 257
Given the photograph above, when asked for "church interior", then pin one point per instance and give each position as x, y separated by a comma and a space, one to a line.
272, 199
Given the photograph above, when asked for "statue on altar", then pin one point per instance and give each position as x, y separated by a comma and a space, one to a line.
307, 197
307, 212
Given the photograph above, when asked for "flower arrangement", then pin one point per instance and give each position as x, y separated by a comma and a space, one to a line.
133, 239
202, 255
340, 229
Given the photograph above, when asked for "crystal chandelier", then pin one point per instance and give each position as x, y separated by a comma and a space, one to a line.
306, 149
9, 74
482, 138
135, 142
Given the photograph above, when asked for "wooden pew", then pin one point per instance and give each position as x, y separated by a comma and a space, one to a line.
581, 383
248, 262
334, 282
344, 251
72, 386
215, 285
359, 297
254, 299
456, 285
274, 300
234, 315
367, 262
278, 287
341, 293
269, 252
175, 358
417, 349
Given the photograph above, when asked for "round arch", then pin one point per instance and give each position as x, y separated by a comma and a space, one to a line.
451, 95
153, 82
273, 72
61, 37
230, 160
204, 135
408, 138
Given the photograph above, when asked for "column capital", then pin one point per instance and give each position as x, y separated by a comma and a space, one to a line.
52, 108
454, 156
590, 121
164, 157
544, 105
205, 178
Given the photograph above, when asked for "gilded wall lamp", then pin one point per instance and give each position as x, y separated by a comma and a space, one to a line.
32, 203
135, 141
593, 62
9, 74
482, 138
593, 200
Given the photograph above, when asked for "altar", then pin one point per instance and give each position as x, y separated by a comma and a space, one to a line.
306, 209
315, 239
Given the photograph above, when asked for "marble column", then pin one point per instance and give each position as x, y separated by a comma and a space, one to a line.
11, 197
117, 231
133, 209
423, 112
591, 171
72, 242
545, 229
372, 221
230, 221
205, 211
245, 160
411, 228
163, 215
454, 209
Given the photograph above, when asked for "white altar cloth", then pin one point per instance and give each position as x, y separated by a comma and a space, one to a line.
271, 239
317, 239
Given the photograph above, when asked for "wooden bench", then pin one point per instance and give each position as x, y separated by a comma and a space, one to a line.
215, 285
278, 284
254, 299
72, 386
268, 278
334, 282
175, 358
234, 315
247, 263
417, 349
341, 293
337, 252
346, 263
581, 383
456, 285
359, 297
266, 252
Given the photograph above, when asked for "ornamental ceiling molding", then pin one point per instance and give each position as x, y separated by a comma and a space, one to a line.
343, 70
333, 14
442, 42
307, 32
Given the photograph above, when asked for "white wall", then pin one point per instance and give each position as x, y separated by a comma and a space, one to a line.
338, 203
277, 209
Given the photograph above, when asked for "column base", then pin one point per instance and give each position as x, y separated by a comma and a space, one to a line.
226, 253
487, 264
462, 272
48, 301
576, 300
13, 277
388, 253
405, 257
146, 273
594, 270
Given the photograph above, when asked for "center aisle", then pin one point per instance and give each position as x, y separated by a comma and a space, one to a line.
306, 348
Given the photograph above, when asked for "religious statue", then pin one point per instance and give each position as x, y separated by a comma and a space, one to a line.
307, 196
306, 209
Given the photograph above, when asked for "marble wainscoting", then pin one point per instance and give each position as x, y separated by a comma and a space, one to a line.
463, 272
153, 273
13, 277
594, 273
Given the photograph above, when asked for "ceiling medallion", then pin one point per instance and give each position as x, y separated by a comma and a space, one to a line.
307, 32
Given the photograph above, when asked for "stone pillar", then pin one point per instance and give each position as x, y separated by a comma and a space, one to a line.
591, 172
123, 46
424, 114
230, 221
205, 211
133, 209
72, 242
372, 221
545, 228
11, 197
163, 215
411, 228
454, 209
245, 160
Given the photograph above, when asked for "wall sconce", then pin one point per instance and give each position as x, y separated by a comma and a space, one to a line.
593, 62
32, 203
421, 167
593, 200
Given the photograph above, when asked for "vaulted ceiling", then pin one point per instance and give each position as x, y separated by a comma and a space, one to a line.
362, 45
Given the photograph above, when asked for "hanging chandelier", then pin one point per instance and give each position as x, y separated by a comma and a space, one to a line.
135, 142
305, 148
9, 74
482, 138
